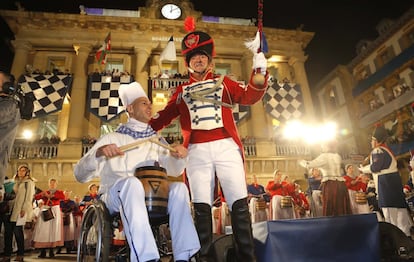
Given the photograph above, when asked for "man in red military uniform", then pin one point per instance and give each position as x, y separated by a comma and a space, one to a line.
204, 105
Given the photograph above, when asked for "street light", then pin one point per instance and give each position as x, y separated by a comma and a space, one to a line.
27, 134
310, 134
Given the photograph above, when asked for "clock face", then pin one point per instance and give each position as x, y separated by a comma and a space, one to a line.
171, 11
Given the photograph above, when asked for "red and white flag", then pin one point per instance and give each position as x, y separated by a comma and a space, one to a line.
104, 50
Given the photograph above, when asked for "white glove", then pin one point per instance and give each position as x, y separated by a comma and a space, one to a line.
365, 169
259, 61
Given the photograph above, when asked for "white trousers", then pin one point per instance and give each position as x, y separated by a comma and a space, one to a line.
399, 217
128, 197
316, 204
221, 158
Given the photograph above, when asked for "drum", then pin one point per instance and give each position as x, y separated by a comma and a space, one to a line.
261, 205
155, 182
360, 198
286, 201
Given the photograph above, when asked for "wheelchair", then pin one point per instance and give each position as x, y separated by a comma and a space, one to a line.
97, 232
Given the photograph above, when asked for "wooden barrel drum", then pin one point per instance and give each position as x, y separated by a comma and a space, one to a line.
155, 182
261, 204
286, 201
360, 198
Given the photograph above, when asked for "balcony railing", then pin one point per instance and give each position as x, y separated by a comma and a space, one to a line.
85, 148
292, 150
48, 151
31, 151
166, 83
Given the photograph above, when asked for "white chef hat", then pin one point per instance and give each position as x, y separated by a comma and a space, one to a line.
129, 92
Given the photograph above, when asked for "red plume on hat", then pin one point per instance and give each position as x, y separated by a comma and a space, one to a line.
189, 24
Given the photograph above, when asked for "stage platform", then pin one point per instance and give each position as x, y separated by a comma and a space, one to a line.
324, 239
342, 238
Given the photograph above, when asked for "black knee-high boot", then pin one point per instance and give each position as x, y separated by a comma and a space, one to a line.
204, 225
242, 231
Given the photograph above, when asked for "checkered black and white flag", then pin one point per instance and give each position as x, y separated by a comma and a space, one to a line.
103, 97
49, 91
284, 101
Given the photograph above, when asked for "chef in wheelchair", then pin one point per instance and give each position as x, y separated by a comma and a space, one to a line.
132, 164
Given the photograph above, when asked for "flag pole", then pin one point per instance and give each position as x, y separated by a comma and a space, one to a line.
258, 77
260, 23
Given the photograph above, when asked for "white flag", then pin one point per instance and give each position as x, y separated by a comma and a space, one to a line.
169, 52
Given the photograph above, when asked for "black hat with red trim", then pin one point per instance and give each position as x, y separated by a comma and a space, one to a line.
197, 42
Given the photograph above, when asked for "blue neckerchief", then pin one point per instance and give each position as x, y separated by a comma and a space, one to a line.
148, 132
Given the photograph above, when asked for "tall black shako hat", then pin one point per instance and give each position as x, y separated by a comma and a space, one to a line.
197, 42
380, 133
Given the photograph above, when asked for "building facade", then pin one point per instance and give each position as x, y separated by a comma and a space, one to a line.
67, 43
377, 86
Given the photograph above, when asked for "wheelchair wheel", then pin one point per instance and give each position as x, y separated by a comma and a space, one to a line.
222, 249
95, 235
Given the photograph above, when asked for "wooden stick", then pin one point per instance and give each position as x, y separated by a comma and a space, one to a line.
134, 144
155, 141
151, 139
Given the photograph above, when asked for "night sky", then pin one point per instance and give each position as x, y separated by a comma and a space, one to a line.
338, 25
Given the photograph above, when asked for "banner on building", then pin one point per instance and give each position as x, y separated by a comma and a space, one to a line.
103, 97
283, 101
49, 91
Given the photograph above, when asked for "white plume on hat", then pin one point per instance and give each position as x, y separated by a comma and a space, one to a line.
129, 92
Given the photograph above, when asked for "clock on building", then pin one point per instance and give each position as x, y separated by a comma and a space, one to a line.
171, 11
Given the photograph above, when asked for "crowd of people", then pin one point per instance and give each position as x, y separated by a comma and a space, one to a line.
30, 71
334, 190
44, 220
88, 140
115, 74
211, 157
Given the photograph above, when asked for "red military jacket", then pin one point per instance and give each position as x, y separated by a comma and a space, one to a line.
54, 201
232, 93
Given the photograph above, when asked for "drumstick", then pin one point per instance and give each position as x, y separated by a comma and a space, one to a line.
134, 144
155, 141
137, 143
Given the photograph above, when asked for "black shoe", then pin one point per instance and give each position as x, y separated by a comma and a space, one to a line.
42, 254
59, 251
51, 254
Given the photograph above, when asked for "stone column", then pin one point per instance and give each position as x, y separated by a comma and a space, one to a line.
141, 72
298, 64
21, 56
155, 69
77, 122
283, 72
257, 127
